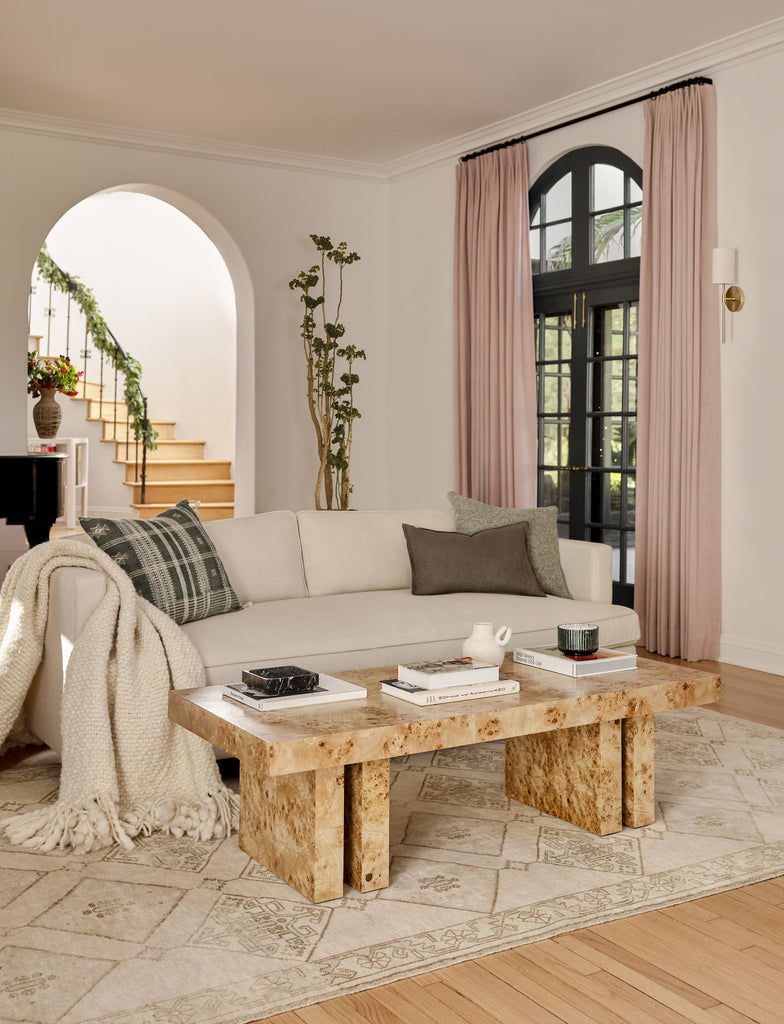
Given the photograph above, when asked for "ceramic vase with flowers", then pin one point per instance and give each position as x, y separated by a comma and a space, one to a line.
46, 375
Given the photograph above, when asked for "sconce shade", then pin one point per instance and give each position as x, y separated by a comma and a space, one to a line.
724, 271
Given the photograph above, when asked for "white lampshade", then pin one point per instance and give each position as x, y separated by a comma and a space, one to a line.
724, 271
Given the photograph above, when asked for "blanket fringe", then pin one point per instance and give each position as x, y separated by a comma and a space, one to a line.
214, 816
93, 824
83, 826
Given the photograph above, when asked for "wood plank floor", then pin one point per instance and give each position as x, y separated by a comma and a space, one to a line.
718, 960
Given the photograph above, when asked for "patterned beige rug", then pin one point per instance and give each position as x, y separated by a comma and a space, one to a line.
179, 932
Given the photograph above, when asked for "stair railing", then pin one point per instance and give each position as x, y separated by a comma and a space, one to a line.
98, 338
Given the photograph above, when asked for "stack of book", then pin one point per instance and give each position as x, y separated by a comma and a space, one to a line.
259, 689
550, 658
442, 682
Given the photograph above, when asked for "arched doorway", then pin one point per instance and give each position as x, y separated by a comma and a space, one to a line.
167, 273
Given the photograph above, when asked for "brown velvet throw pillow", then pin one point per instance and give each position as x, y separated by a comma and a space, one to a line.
489, 562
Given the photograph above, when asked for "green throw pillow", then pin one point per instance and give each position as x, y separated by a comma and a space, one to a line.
171, 561
489, 562
472, 516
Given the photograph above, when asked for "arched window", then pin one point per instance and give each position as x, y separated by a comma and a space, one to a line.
586, 218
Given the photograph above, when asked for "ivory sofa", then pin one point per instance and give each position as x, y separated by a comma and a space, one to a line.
332, 591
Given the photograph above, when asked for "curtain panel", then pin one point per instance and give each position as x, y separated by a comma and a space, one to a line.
496, 368
678, 546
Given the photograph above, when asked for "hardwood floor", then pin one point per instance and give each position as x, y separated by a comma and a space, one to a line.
718, 960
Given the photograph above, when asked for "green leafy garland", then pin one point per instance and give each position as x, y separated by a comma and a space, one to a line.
104, 342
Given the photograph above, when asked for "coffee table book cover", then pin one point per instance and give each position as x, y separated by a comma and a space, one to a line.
447, 694
550, 658
329, 689
432, 675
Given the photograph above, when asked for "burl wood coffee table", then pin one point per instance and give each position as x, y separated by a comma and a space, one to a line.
314, 782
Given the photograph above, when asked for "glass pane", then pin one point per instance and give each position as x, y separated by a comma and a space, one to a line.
558, 247
635, 192
631, 499
635, 231
566, 393
606, 186
608, 236
548, 485
606, 441
563, 492
535, 218
613, 538
633, 329
551, 392
608, 333
612, 385
551, 339
629, 557
534, 241
549, 455
632, 394
558, 201
631, 442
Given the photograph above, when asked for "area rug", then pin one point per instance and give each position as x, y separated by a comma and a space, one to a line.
177, 931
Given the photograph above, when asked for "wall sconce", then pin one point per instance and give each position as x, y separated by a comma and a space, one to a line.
725, 273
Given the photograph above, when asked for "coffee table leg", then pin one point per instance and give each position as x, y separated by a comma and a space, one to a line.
367, 825
573, 774
638, 797
293, 825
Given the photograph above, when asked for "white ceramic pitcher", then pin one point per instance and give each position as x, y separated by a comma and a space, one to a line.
485, 645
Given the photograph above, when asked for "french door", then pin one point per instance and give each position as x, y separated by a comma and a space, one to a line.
586, 345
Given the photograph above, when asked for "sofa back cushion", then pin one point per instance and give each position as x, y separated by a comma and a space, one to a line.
261, 555
348, 552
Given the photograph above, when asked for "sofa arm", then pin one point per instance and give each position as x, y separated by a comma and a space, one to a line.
587, 567
74, 594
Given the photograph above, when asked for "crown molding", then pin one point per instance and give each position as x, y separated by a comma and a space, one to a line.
703, 60
184, 145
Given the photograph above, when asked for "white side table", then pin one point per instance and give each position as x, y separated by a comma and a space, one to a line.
75, 475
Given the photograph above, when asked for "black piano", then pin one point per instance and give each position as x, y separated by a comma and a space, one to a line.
31, 492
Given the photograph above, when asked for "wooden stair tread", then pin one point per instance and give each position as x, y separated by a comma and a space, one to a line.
102, 419
181, 483
174, 462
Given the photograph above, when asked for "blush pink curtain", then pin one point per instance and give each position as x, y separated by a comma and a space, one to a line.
494, 324
678, 557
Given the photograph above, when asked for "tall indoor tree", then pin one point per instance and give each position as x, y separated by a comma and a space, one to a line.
330, 373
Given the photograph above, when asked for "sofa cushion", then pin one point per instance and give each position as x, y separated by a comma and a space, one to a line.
347, 552
379, 628
171, 561
490, 561
261, 554
472, 516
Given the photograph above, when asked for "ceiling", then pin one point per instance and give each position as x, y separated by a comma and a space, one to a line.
351, 79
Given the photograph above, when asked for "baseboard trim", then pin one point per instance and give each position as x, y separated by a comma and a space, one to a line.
762, 657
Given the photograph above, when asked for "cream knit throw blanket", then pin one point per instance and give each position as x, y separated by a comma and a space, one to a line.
126, 770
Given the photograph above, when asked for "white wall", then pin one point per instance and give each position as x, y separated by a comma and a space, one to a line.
260, 219
751, 218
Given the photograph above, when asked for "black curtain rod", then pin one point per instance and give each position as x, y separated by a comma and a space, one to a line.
586, 117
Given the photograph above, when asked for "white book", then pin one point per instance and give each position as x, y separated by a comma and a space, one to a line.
434, 675
550, 658
447, 694
329, 689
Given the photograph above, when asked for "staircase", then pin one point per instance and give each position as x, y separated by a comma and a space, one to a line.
176, 469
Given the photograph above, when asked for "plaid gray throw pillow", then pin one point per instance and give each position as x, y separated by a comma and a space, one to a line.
171, 561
